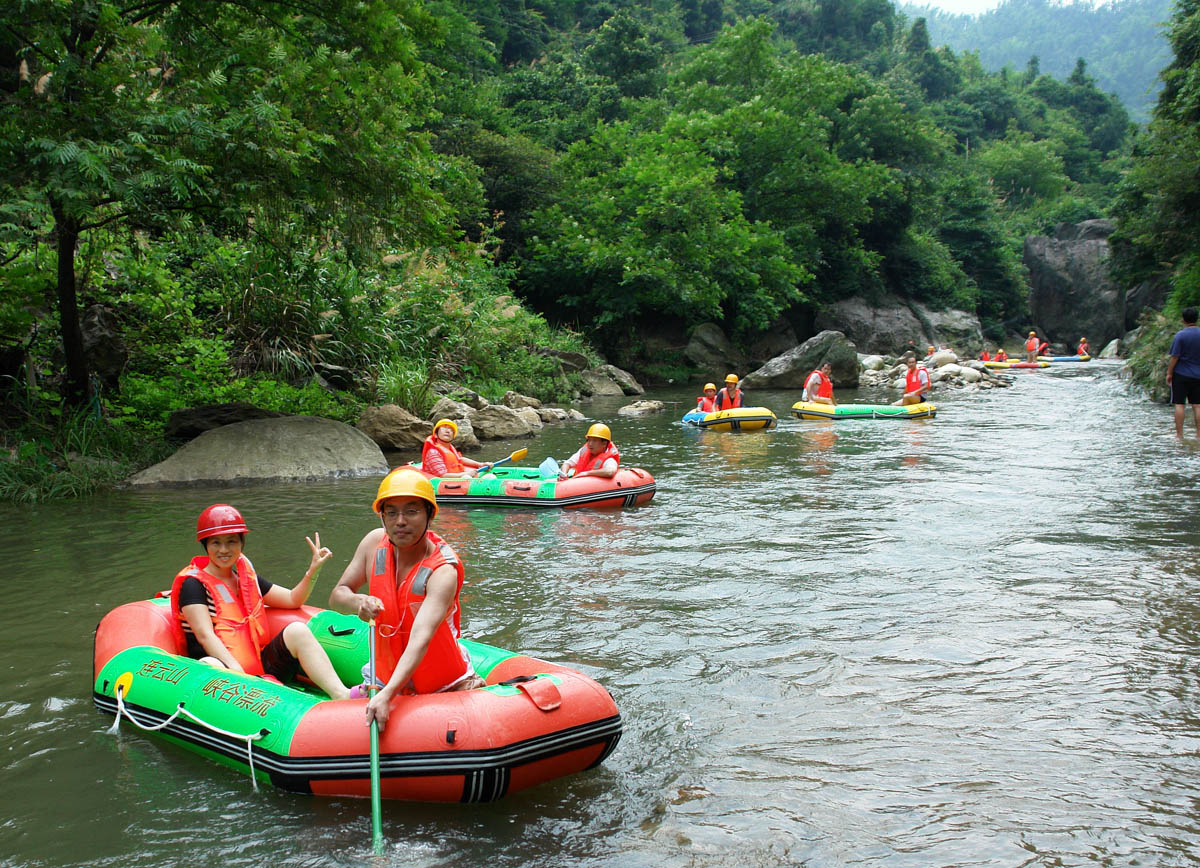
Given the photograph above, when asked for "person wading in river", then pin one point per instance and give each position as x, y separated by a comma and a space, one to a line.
413, 581
1183, 371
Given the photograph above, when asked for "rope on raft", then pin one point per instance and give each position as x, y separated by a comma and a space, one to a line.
179, 709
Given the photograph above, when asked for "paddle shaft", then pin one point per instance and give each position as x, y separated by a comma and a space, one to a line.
376, 807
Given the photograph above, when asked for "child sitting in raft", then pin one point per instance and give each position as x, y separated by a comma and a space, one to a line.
218, 601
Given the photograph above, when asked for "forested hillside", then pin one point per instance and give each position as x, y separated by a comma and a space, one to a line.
429, 192
1124, 44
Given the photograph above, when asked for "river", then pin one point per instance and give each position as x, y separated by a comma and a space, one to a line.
967, 641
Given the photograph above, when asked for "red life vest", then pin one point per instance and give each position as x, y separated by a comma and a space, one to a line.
1084, 350
450, 455
705, 404
1031, 345
584, 460
725, 401
1001, 356
1043, 348
824, 385
245, 635
445, 662
984, 357
913, 383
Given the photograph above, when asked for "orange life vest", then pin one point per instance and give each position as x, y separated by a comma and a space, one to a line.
705, 404
450, 455
445, 662
1031, 345
984, 357
245, 635
1084, 350
584, 460
912, 380
1001, 356
824, 385
726, 401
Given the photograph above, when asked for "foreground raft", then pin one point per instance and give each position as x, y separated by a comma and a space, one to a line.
813, 410
533, 722
533, 487
740, 419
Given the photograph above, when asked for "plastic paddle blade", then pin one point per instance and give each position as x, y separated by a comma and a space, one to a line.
548, 466
518, 455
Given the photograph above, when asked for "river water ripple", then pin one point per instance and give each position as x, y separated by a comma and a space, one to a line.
969, 641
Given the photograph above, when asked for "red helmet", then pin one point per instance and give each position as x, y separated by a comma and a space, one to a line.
218, 519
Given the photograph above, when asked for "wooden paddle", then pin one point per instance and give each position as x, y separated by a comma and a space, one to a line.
516, 456
376, 807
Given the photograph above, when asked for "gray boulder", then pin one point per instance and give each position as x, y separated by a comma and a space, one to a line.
269, 450
953, 328
1112, 350
516, 400
624, 379
552, 415
791, 369
1150, 294
532, 418
497, 422
1072, 292
884, 326
448, 408
571, 362
596, 382
393, 427
186, 424
642, 408
710, 350
776, 340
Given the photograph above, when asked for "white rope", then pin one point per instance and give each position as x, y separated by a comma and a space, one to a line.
179, 709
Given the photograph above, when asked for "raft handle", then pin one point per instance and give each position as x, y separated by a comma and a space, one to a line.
450, 735
519, 487
346, 632
450, 485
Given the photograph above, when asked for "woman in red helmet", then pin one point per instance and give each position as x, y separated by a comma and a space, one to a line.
218, 602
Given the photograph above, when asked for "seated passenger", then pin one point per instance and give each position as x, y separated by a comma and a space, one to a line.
1001, 356
731, 397
1083, 349
598, 456
984, 356
440, 458
818, 388
218, 601
917, 384
706, 401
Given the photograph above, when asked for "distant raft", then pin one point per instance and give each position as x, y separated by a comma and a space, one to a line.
1016, 364
532, 487
1064, 358
741, 419
534, 721
813, 410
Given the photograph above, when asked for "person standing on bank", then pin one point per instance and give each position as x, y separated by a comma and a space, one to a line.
413, 580
731, 397
218, 602
1183, 371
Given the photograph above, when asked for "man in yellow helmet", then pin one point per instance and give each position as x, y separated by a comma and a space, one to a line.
731, 397
413, 581
598, 456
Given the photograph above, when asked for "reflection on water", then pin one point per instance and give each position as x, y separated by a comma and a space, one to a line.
961, 641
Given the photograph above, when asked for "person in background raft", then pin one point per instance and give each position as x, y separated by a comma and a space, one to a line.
1044, 348
1183, 371
598, 456
984, 356
706, 401
1031, 347
440, 458
1083, 349
917, 384
1001, 356
413, 581
818, 388
218, 602
731, 397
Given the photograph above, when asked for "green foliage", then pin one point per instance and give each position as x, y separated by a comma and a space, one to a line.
1147, 361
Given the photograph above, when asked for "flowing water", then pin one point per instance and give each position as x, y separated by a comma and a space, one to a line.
963, 641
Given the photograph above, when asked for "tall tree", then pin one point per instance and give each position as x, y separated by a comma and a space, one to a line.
237, 113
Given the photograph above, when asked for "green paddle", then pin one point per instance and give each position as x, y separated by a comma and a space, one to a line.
516, 456
376, 808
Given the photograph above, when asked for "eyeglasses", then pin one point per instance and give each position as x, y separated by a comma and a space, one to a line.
390, 513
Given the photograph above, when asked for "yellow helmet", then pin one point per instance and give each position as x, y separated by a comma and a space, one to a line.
1033, 334
731, 378
708, 386
600, 430
405, 482
440, 422
1083, 339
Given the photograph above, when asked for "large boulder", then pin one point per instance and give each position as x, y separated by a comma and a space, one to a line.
776, 340
954, 328
497, 422
269, 450
1072, 292
710, 350
642, 408
392, 427
885, 326
596, 382
1112, 350
571, 362
194, 421
1150, 294
791, 369
624, 379
516, 400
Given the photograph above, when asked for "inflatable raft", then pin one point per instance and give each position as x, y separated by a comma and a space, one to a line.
534, 721
741, 419
1016, 364
1064, 358
813, 410
533, 487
